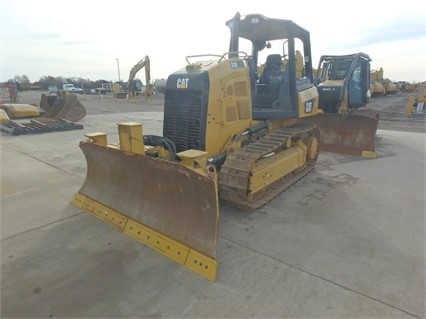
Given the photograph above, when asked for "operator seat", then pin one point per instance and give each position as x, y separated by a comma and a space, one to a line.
268, 88
273, 63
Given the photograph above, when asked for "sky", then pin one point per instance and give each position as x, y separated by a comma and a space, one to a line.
98, 39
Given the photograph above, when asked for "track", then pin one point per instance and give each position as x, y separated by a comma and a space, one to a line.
235, 174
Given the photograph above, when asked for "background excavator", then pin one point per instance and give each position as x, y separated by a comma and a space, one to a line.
145, 62
134, 87
228, 133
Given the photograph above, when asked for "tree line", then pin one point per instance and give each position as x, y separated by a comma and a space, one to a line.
23, 83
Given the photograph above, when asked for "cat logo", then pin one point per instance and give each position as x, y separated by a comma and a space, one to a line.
182, 83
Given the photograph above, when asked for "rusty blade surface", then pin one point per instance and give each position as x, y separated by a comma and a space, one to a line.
165, 196
350, 135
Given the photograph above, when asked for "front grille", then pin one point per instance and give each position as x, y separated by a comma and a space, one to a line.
182, 118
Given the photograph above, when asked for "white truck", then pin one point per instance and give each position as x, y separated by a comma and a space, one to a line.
71, 88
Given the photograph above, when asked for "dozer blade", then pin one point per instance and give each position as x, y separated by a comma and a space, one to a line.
165, 205
63, 106
352, 135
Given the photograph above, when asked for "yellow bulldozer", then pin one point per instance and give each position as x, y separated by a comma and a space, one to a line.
228, 134
343, 84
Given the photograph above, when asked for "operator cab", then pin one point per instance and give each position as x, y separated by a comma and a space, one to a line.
346, 73
285, 73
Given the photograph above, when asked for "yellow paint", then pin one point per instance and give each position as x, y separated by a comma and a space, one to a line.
270, 169
131, 139
308, 96
202, 265
78, 200
160, 243
16, 110
99, 138
368, 154
193, 158
195, 261
106, 214
4, 118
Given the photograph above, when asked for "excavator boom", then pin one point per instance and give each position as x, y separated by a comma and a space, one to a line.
145, 62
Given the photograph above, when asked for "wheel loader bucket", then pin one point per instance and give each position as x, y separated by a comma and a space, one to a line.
63, 106
352, 135
163, 204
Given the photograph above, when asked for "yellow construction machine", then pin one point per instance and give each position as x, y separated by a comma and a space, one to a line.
380, 85
133, 86
343, 83
145, 62
228, 133
377, 87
